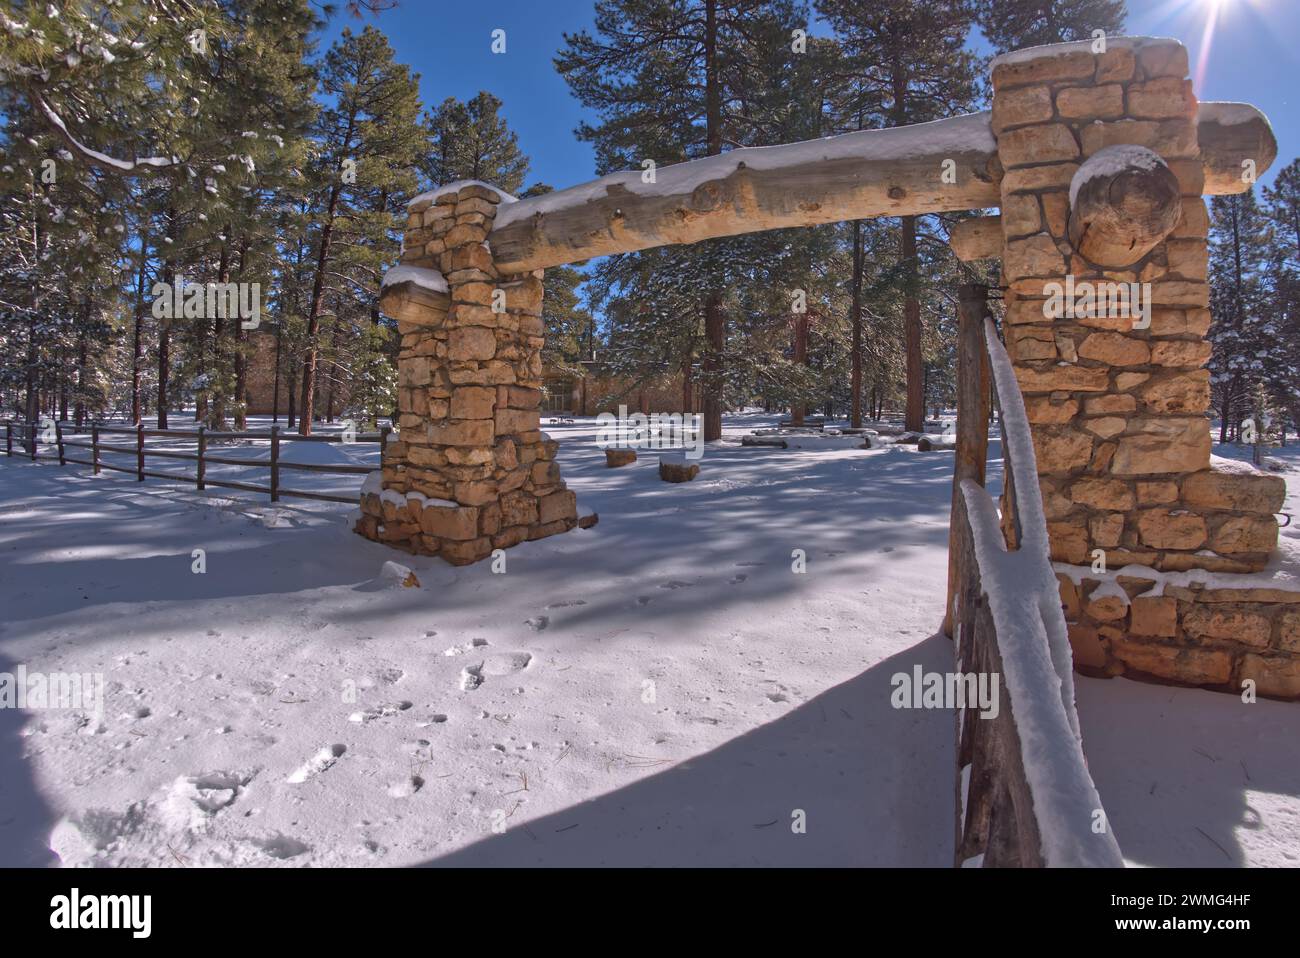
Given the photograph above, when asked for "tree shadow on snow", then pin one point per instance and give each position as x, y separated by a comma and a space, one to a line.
25, 819
1187, 775
868, 801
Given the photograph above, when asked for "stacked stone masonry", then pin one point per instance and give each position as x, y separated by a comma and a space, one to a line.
471, 471
1118, 413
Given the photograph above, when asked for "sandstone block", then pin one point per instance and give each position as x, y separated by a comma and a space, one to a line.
1105, 102
462, 432
1114, 349
1160, 529
1102, 494
1174, 663
472, 402
1031, 104
1228, 625
1235, 492
450, 522
1075, 65
557, 506
470, 343
1245, 534
1154, 615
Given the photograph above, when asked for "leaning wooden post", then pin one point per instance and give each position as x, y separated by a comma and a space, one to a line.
58, 439
139, 452
275, 463
94, 448
199, 472
973, 400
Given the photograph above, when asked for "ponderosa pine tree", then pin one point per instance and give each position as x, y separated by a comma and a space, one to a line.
366, 134
1013, 24
673, 80
1241, 314
472, 141
915, 67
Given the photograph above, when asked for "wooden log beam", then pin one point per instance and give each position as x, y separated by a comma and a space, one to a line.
1123, 201
1237, 145
859, 175
897, 172
977, 238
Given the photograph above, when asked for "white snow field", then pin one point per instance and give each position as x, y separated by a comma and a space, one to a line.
662, 689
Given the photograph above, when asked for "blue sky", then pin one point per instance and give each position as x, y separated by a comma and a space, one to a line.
1254, 55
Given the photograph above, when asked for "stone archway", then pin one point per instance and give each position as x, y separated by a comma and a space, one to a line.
1117, 410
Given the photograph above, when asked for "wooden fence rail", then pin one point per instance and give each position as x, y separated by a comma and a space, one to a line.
28, 436
1024, 794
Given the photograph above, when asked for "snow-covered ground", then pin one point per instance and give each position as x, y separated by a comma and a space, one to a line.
661, 689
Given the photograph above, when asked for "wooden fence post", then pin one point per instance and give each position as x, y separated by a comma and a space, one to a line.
974, 396
58, 438
203, 445
35, 437
9, 437
383, 442
139, 452
94, 447
275, 463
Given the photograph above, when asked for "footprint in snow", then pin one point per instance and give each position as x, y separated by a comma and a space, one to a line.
674, 584
506, 663
738, 578
643, 600
567, 603
538, 623
320, 762
282, 846
406, 787
379, 711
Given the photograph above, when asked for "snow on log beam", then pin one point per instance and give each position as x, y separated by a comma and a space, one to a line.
857, 175
1237, 145
852, 176
1123, 201
976, 239
414, 295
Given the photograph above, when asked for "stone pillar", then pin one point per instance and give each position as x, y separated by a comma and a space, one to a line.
470, 471
1118, 411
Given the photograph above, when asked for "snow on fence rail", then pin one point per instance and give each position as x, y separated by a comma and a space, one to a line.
1024, 795
29, 438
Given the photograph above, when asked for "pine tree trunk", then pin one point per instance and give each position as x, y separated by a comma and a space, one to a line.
855, 323
711, 367
137, 338
292, 384
164, 336
914, 415
314, 309
799, 409
687, 386
715, 323
241, 359
83, 389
